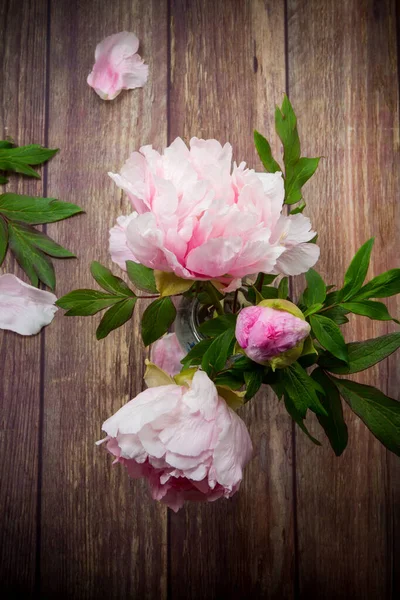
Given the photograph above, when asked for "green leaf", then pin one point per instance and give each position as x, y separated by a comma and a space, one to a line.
333, 424
3, 179
217, 354
218, 325
35, 210
86, 302
168, 284
264, 152
362, 355
283, 288
42, 241
337, 314
296, 415
357, 271
142, 277
380, 413
253, 380
19, 159
316, 292
301, 173
384, 285
302, 390
269, 293
264, 279
3, 239
195, 355
36, 265
298, 209
108, 281
229, 379
115, 316
286, 128
329, 336
368, 308
157, 318
5, 144
313, 309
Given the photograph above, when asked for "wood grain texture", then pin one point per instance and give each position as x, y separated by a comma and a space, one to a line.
227, 73
102, 535
22, 117
343, 85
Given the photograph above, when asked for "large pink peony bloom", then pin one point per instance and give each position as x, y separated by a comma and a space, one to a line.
23, 308
195, 216
118, 66
264, 333
187, 442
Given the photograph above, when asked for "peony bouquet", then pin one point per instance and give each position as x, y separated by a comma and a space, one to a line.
212, 245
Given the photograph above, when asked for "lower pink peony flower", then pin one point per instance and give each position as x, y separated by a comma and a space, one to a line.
265, 333
23, 308
196, 216
167, 354
118, 66
186, 441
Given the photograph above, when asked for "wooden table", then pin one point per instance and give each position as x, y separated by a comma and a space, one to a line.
304, 524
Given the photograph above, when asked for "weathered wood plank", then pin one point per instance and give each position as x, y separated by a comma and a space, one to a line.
102, 535
227, 73
343, 84
22, 117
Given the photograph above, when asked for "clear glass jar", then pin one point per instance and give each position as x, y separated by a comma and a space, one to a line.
190, 315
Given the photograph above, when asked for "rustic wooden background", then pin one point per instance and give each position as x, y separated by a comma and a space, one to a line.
304, 524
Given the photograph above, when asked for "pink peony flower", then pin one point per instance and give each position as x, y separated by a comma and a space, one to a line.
117, 66
187, 442
167, 354
23, 308
264, 333
196, 217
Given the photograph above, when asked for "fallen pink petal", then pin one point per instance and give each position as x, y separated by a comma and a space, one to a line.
118, 66
23, 308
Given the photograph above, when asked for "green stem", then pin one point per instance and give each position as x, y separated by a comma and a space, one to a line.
212, 292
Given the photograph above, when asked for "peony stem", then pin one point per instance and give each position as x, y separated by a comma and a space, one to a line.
212, 292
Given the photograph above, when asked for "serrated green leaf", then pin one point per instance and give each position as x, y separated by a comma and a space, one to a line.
368, 308
383, 286
195, 355
283, 288
295, 414
157, 318
380, 413
42, 241
218, 325
35, 211
216, 355
19, 159
142, 277
362, 355
108, 281
316, 292
33, 261
357, 271
333, 424
302, 390
115, 316
86, 302
302, 171
3, 239
329, 336
265, 153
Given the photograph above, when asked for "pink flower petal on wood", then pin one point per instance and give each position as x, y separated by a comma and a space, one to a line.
23, 308
118, 66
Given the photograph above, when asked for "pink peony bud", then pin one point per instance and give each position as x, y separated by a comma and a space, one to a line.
167, 354
272, 335
118, 66
186, 441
